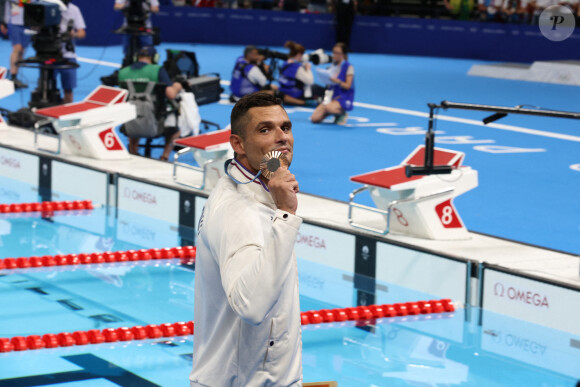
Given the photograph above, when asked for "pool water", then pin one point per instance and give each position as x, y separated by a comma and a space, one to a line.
467, 347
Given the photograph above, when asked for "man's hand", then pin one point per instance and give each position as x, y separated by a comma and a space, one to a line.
284, 187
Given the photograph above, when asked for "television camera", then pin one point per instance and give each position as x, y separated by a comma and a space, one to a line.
43, 21
137, 15
316, 57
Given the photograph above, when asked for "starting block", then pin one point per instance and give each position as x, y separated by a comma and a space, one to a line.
6, 89
86, 127
419, 206
210, 150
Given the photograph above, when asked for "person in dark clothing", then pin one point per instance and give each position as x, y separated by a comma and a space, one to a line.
344, 11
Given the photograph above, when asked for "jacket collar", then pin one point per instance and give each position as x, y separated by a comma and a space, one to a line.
257, 187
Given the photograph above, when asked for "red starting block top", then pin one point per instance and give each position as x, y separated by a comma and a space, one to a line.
101, 96
440, 157
385, 178
70, 108
206, 141
107, 95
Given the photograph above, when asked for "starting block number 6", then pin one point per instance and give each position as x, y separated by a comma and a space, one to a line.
447, 215
110, 140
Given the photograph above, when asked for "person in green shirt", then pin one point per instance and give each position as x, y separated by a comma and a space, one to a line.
146, 69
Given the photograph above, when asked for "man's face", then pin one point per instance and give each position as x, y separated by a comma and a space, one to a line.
254, 56
268, 128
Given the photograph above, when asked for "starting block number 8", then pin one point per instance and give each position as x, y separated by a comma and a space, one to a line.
447, 215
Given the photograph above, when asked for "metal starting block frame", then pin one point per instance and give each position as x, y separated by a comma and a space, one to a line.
210, 151
87, 127
423, 205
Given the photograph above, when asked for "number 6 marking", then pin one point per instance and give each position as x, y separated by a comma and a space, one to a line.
109, 140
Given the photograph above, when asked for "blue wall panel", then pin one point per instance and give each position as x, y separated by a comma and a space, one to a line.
427, 37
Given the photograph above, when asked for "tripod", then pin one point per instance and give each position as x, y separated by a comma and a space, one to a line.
135, 34
46, 93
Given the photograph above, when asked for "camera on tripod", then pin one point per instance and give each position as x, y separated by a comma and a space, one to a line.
136, 14
43, 19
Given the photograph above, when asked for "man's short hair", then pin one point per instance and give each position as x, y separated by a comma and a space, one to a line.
249, 49
238, 118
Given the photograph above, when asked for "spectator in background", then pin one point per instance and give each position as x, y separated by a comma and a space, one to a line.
317, 6
460, 9
263, 4
344, 12
489, 10
538, 6
13, 26
341, 90
514, 11
73, 24
250, 74
296, 79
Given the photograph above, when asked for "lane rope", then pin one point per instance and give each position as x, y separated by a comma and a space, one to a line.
186, 254
363, 314
46, 207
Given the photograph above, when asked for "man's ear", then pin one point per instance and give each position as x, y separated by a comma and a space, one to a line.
237, 144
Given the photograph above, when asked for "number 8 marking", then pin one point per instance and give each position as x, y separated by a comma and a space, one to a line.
447, 216
400, 217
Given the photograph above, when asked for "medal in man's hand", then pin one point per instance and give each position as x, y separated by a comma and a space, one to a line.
271, 162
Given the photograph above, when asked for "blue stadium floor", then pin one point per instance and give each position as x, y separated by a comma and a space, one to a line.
529, 167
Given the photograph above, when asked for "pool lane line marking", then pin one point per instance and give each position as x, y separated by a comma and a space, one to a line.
511, 128
99, 62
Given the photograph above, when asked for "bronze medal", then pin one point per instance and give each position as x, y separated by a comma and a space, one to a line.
271, 162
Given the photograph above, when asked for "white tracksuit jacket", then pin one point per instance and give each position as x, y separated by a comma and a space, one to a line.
247, 312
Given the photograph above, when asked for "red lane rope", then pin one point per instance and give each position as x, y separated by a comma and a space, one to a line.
185, 253
46, 206
110, 335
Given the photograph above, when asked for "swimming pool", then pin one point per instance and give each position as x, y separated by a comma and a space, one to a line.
470, 346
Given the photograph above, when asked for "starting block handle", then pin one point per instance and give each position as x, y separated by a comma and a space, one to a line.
202, 169
37, 133
387, 212
352, 204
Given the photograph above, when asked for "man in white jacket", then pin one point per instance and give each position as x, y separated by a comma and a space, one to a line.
247, 312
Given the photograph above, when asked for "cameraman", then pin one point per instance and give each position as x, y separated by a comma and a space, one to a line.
341, 75
13, 26
146, 70
250, 74
149, 6
296, 79
72, 27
